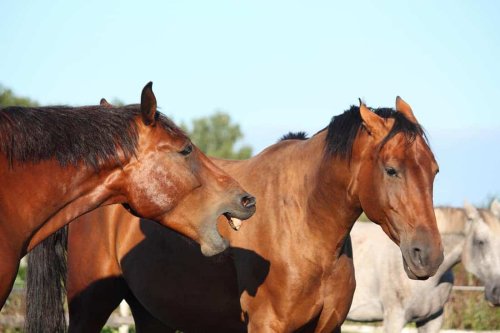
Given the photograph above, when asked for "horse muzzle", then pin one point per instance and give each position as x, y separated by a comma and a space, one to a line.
242, 210
492, 293
421, 261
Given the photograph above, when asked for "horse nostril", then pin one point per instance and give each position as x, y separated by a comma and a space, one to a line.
248, 201
416, 253
496, 292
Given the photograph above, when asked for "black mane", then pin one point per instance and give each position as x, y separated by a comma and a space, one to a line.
343, 129
92, 134
294, 136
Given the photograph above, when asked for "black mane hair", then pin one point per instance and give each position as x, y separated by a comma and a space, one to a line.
91, 134
343, 129
294, 136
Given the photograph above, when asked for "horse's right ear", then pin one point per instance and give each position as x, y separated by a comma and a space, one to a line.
495, 207
148, 105
105, 103
371, 121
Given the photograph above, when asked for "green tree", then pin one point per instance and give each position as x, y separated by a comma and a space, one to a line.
8, 98
216, 136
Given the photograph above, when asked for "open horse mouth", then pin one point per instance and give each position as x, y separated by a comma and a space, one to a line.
234, 223
245, 211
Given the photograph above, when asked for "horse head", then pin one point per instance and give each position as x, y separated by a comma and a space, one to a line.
395, 175
481, 255
170, 180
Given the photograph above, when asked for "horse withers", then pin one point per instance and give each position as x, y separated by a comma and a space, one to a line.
57, 163
383, 292
289, 268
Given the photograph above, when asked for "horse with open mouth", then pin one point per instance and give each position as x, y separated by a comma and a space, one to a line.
290, 268
57, 163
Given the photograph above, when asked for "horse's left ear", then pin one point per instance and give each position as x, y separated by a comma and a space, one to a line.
148, 105
404, 108
471, 211
495, 207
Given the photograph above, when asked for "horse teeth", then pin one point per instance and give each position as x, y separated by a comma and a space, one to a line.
235, 223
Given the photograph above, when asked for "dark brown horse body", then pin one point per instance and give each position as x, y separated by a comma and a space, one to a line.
289, 268
57, 163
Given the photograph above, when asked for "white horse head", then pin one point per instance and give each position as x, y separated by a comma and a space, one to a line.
481, 254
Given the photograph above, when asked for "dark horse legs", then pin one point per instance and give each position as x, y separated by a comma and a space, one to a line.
9, 264
90, 309
8, 272
144, 321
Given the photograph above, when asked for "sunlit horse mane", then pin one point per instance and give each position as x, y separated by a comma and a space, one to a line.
89, 134
343, 129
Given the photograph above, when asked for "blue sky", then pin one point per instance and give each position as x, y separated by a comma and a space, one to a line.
276, 66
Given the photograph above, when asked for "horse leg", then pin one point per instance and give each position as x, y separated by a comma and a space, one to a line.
144, 321
90, 308
8, 271
8, 266
338, 294
432, 324
394, 320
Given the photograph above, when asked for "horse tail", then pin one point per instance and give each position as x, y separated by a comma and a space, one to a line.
46, 285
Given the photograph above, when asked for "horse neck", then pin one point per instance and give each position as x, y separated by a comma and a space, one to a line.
453, 249
62, 194
300, 199
331, 208
452, 224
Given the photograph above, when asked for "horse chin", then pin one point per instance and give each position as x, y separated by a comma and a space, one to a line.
492, 305
410, 273
214, 246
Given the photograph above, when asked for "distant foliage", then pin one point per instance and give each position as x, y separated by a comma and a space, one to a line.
8, 98
217, 135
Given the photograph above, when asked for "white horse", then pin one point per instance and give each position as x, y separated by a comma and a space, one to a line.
384, 292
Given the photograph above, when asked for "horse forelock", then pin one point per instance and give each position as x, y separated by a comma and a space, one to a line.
93, 135
344, 128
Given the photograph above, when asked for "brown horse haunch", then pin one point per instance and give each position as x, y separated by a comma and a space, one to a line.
57, 163
289, 269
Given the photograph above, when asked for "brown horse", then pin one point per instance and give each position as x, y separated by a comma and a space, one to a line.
290, 268
57, 163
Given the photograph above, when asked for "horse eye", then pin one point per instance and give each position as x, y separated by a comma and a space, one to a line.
187, 150
391, 171
479, 242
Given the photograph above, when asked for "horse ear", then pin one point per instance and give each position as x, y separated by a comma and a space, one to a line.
105, 103
471, 211
371, 121
148, 105
495, 207
405, 108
